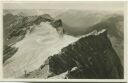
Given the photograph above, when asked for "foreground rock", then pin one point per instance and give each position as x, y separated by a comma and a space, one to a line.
91, 57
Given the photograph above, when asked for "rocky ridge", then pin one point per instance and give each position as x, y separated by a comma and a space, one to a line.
91, 57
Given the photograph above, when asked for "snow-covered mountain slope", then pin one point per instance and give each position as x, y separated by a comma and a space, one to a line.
90, 57
16, 27
34, 49
29, 41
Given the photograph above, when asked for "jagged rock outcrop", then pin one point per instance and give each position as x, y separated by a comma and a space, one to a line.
91, 57
43, 18
56, 23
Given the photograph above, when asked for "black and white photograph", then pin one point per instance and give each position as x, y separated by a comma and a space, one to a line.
63, 40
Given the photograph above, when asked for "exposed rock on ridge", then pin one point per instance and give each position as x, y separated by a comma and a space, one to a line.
92, 56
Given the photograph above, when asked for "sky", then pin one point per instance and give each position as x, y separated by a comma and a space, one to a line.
56, 8
97, 5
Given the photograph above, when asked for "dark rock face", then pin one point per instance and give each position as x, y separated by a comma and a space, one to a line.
93, 56
115, 27
8, 52
56, 23
43, 18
